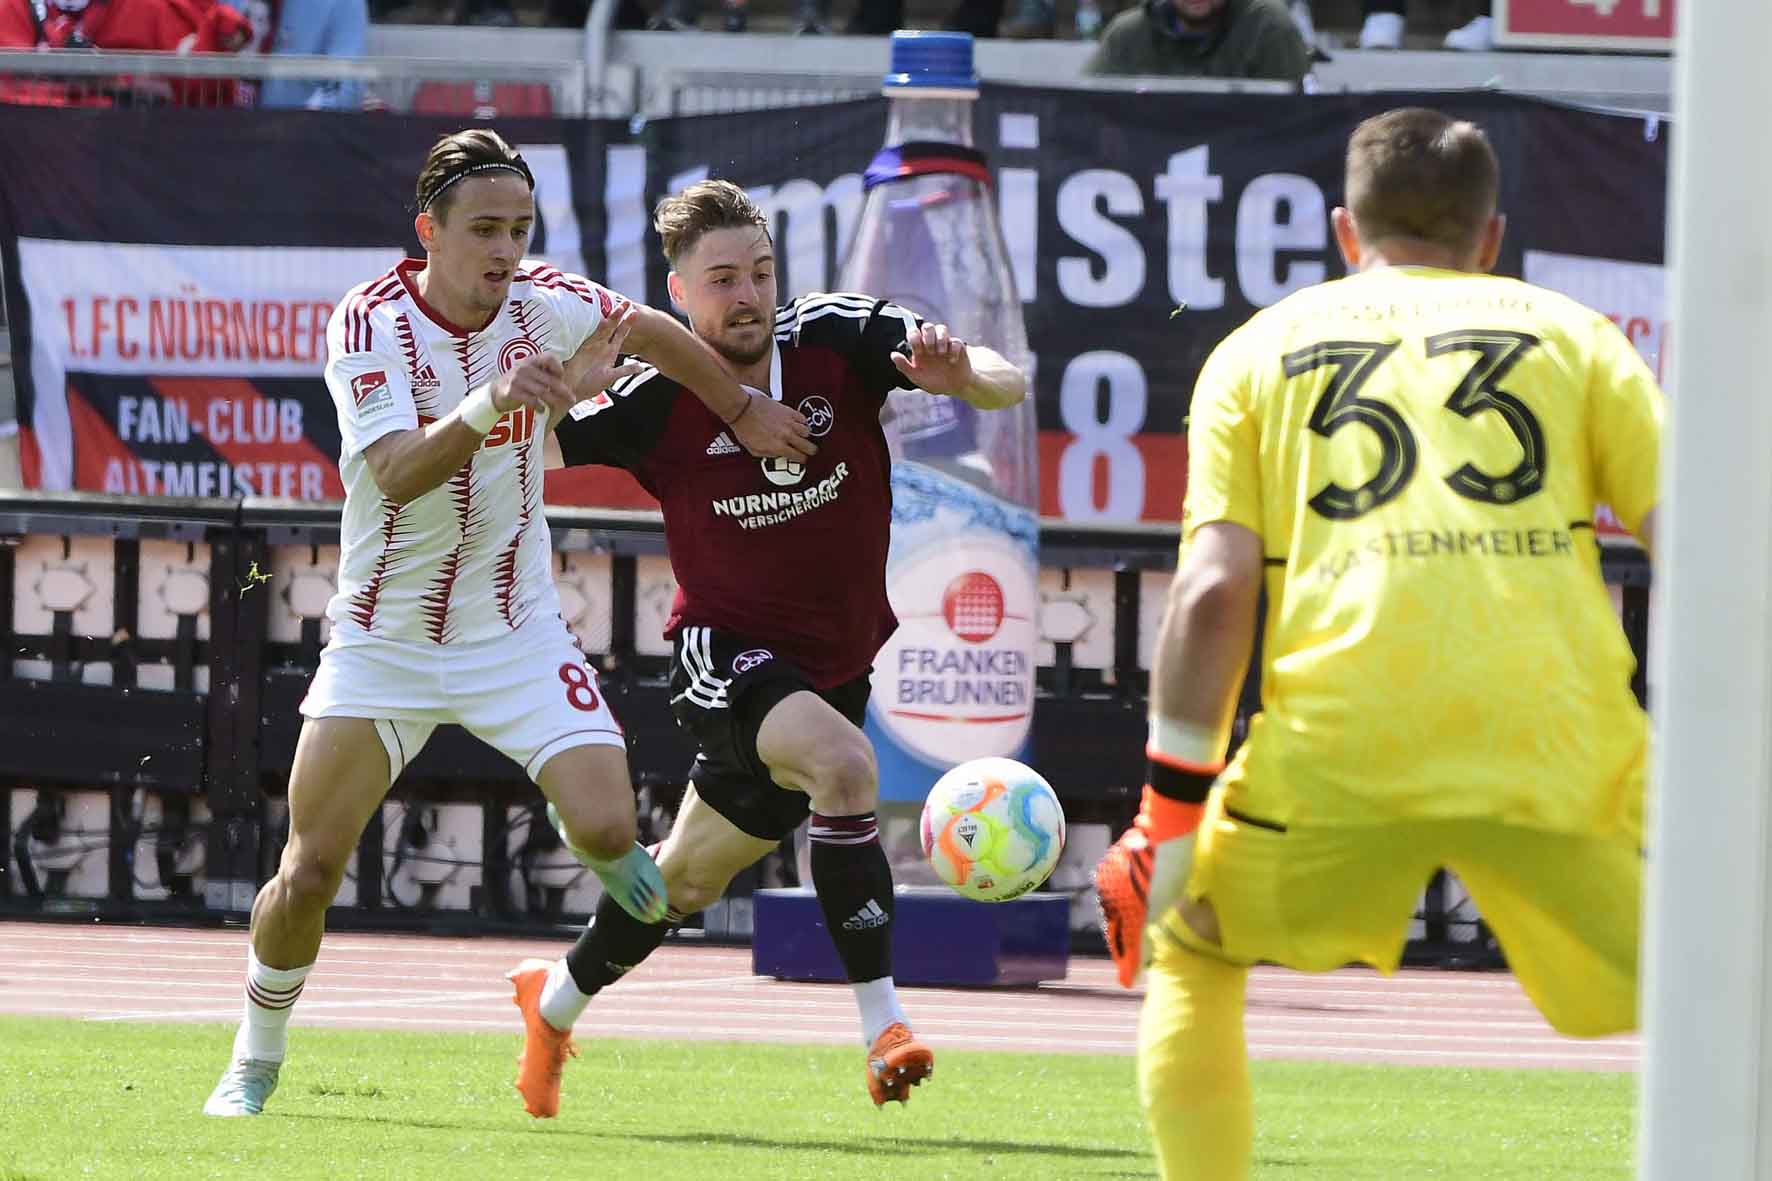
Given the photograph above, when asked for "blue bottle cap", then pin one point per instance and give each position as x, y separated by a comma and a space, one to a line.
923, 61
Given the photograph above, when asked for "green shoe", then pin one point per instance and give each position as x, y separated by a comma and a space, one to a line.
244, 1088
632, 879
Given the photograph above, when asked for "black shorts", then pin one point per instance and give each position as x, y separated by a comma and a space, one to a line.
722, 687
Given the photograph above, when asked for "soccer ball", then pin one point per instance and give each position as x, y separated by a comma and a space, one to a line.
992, 829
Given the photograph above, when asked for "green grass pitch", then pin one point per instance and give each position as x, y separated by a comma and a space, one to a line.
104, 1100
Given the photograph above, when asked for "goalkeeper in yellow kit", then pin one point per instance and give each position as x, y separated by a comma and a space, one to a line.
1408, 461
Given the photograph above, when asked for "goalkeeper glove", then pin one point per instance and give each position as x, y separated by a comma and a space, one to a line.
1146, 871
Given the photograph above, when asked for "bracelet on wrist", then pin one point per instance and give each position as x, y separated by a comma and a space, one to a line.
742, 410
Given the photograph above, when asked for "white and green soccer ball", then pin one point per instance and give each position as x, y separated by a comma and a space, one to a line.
992, 829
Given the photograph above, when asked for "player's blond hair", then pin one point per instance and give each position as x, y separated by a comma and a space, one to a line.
682, 218
1416, 173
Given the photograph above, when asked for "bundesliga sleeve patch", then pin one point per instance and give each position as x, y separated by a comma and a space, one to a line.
595, 404
371, 392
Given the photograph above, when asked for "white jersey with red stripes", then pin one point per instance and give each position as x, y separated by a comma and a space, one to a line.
469, 560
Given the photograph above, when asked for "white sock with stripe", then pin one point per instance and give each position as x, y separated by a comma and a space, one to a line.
270, 996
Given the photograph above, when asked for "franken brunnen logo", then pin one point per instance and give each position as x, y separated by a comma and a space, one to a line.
956, 681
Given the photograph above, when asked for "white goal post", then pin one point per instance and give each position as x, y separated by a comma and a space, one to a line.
1707, 992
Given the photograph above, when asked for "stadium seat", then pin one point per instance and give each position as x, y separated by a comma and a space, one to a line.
483, 100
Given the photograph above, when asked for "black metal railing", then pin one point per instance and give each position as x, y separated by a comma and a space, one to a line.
137, 689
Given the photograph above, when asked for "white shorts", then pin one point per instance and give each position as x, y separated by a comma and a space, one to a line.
529, 695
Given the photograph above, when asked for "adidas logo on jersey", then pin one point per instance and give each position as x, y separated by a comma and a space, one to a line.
867, 918
723, 445
425, 379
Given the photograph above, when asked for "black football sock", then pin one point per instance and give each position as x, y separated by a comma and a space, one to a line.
614, 943
854, 885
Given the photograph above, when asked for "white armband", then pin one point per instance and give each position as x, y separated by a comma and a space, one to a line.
478, 411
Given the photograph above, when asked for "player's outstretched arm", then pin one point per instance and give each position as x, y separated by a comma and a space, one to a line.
945, 364
1208, 631
597, 364
407, 464
760, 424
1201, 657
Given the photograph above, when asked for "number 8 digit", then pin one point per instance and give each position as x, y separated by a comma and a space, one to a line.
581, 693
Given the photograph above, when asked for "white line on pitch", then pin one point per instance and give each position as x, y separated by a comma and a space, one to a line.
318, 1004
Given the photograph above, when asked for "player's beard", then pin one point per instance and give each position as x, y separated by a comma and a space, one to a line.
746, 354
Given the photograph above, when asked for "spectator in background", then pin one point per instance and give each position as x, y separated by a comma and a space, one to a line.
1384, 21
175, 25
179, 26
328, 28
1203, 39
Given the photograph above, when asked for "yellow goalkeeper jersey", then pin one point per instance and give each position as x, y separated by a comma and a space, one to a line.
1422, 452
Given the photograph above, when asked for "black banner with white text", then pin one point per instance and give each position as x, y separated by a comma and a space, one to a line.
169, 273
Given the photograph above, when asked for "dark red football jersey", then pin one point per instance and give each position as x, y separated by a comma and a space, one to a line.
792, 556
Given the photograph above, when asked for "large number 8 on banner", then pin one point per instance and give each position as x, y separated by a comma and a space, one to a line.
1106, 441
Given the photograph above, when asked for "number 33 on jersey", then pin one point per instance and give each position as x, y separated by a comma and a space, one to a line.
1422, 453
1421, 401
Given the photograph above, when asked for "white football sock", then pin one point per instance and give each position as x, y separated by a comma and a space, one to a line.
561, 1001
270, 998
878, 1001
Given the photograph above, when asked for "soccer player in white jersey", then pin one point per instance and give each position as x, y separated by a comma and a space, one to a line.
446, 373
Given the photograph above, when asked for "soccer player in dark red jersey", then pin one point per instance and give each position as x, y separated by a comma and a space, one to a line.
781, 607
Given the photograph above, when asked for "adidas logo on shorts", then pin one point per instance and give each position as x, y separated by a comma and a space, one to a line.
867, 918
723, 445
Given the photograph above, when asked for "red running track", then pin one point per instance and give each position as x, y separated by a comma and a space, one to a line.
121, 973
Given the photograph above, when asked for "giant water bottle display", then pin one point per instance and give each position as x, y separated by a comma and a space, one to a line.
956, 681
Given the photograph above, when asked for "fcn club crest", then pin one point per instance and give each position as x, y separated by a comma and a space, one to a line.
820, 415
